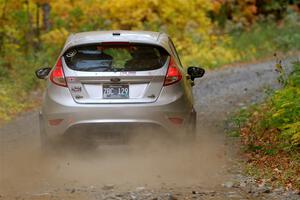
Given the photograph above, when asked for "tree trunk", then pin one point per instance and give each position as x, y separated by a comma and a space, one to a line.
29, 33
37, 43
2, 19
46, 16
38, 21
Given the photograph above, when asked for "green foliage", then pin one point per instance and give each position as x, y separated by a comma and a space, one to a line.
285, 113
17, 83
237, 121
266, 38
247, 12
274, 125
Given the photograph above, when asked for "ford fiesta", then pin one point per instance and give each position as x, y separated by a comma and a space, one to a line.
109, 83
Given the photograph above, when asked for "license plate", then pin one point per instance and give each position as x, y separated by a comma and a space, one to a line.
115, 91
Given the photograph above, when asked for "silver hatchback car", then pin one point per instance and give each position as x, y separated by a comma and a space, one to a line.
106, 84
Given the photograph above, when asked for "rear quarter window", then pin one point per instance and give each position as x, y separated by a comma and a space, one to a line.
115, 57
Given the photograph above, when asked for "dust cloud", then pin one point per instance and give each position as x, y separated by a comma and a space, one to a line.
143, 162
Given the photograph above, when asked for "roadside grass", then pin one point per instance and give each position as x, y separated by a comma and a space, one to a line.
19, 88
261, 40
270, 133
266, 38
237, 121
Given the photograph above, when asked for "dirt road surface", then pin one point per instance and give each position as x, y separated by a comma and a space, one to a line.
211, 168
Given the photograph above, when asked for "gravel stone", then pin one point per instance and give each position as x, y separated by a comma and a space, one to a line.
228, 184
108, 187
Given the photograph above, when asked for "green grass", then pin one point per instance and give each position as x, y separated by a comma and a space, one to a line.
266, 38
262, 40
237, 121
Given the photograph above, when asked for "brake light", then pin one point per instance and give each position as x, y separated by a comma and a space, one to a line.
57, 76
109, 45
115, 43
173, 74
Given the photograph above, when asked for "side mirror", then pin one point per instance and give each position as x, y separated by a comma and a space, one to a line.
42, 73
195, 72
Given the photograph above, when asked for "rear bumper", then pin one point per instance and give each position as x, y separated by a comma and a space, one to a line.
85, 115
114, 132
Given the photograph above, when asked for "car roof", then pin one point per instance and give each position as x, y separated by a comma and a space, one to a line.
148, 37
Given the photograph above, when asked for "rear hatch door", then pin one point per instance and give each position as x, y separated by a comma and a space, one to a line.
113, 72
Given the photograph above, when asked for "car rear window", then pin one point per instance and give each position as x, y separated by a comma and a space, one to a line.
108, 57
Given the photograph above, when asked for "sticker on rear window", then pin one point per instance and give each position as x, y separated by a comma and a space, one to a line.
71, 53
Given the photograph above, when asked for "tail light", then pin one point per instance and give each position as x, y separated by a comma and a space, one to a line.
173, 74
57, 76
176, 120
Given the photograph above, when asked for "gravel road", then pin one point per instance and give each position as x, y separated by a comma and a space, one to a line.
209, 169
